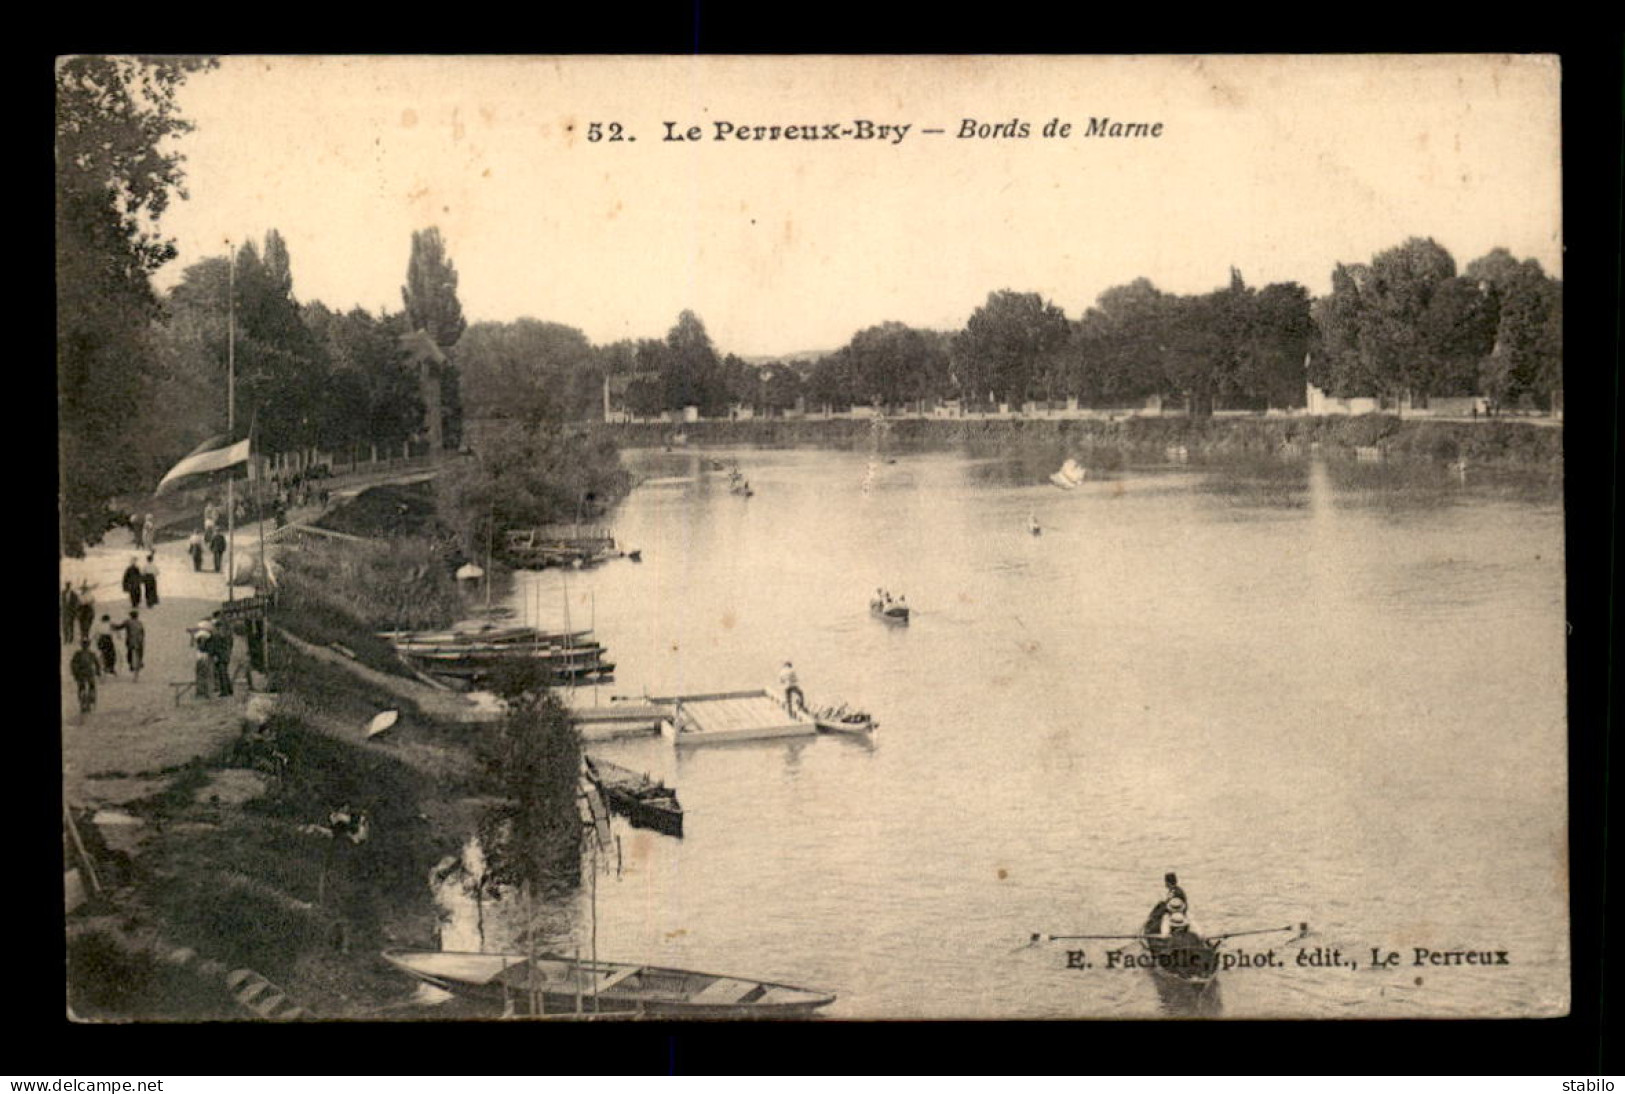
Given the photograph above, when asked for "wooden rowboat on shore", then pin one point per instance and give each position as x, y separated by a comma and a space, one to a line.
559, 985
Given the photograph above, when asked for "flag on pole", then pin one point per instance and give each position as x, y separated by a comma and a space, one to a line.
215, 460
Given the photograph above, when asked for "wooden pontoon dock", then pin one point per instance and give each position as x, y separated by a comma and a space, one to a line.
716, 717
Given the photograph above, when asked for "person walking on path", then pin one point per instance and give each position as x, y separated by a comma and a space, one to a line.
135, 642
87, 610
149, 578
106, 647
69, 601
194, 547
132, 582
85, 669
217, 546
211, 518
149, 533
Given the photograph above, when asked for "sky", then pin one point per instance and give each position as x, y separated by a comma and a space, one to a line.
1278, 166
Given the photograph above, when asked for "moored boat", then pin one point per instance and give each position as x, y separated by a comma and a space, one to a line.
646, 802
840, 720
560, 985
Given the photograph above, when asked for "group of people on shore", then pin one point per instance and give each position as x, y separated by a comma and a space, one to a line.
97, 655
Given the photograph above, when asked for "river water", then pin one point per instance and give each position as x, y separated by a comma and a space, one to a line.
1322, 692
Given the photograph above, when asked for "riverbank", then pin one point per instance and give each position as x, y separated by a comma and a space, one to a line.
248, 857
1498, 442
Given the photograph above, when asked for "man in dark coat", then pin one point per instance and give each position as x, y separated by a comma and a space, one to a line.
87, 610
218, 546
219, 648
70, 612
85, 669
149, 579
135, 642
132, 583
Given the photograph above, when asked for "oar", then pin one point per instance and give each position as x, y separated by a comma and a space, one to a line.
1041, 937
1301, 928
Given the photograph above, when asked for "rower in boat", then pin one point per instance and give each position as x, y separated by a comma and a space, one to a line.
1153, 923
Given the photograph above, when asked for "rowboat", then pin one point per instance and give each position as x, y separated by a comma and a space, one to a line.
1187, 958
841, 720
560, 984
890, 612
646, 802
1182, 956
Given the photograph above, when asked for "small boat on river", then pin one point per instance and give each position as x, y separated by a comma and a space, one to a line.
1183, 956
838, 719
560, 985
891, 611
646, 802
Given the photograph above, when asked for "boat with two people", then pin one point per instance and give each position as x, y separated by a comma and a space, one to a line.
552, 984
1178, 956
890, 610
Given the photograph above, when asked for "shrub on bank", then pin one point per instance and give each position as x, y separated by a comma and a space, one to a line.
344, 592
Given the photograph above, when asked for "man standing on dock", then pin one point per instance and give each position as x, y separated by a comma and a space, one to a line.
787, 681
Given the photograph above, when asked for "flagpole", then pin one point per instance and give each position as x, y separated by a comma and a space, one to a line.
265, 563
231, 415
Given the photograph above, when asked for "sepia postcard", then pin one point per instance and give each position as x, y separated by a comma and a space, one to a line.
596, 538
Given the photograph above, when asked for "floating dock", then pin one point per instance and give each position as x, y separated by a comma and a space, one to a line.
716, 717
614, 723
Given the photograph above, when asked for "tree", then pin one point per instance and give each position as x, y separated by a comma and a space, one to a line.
1271, 364
1527, 360
116, 172
1115, 357
373, 394
430, 292
1456, 333
691, 376
430, 296
529, 370
280, 369
893, 363
1007, 343
1397, 295
1198, 346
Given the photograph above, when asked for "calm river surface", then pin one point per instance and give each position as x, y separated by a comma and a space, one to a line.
1319, 691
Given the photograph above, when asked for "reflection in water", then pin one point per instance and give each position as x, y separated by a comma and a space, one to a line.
1266, 676
1182, 999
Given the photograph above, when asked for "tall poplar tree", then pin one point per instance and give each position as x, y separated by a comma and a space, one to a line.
430, 296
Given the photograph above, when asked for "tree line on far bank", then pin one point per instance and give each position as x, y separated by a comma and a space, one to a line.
1405, 324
